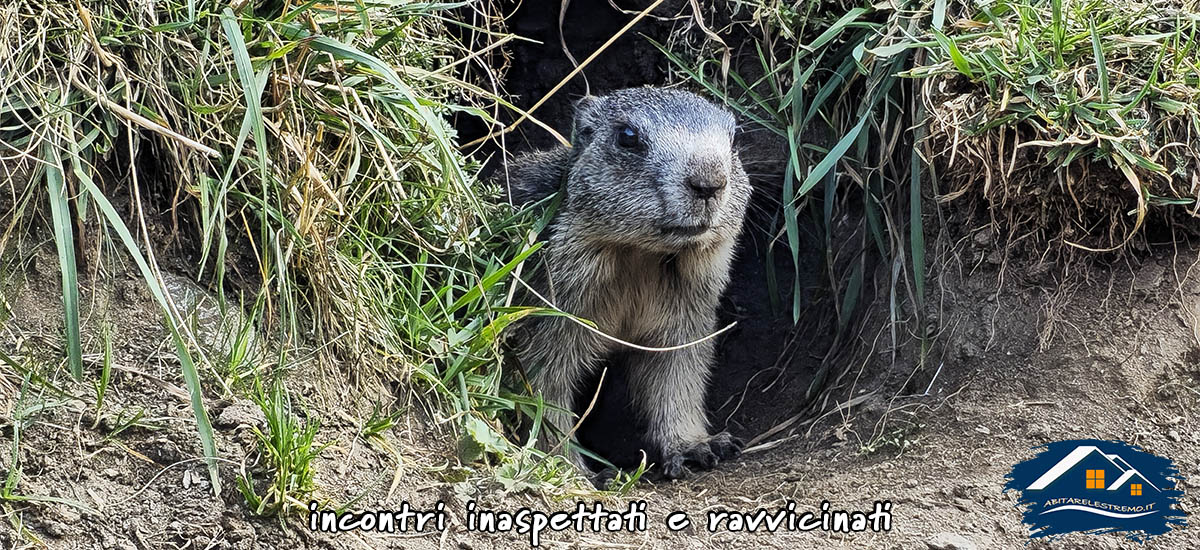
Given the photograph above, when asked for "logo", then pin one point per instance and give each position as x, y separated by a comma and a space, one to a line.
1096, 486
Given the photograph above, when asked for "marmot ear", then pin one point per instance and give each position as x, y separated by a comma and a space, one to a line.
585, 104
581, 131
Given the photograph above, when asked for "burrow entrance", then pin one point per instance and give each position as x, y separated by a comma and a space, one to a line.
767, 362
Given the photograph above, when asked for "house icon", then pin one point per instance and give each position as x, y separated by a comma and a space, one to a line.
1090, 469
1097, 486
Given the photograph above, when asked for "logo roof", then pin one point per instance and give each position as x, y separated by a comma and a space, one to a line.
1076, 456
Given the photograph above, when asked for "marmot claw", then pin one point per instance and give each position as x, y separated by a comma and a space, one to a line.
702, 456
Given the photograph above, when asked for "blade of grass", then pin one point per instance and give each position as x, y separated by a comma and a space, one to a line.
839, 150
245, 70
190, 375
1058, 30
917, 227
836, 28
1101, 67
64, 240
956, 55
939, 14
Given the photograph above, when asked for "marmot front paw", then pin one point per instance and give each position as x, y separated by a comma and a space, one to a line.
726, 446
701, 456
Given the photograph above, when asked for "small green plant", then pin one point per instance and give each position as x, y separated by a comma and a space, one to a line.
623, 482
241, 346
379, 422
286, 451
100, 385
126, 420
374, 428
900, 437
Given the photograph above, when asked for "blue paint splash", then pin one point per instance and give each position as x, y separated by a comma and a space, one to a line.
1097, 486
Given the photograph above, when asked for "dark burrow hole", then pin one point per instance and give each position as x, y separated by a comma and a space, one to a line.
766, 362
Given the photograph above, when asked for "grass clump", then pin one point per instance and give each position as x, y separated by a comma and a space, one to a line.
287, 450
300, 152
823, 80
1072, 119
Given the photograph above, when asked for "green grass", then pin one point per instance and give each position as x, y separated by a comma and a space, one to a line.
826, 81
286, 451
313, 143
380, 421
1082, 86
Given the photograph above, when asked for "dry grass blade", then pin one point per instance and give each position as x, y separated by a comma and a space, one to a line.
570, 75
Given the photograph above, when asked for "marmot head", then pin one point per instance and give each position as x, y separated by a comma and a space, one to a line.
655, 168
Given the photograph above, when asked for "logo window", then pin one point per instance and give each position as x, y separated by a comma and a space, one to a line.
1095, 479
1135, 489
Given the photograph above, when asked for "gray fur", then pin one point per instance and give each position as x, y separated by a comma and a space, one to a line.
634, 248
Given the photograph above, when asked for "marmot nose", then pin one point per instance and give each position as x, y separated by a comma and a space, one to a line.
706, 187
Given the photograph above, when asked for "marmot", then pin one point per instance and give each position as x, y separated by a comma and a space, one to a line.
641, 245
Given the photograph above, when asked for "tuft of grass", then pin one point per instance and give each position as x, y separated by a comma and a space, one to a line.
287, 450
825, 80
1074, 118
305, 150
379, 422
126, 420
243, 356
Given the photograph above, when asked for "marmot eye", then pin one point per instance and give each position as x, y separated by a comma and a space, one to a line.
627, 137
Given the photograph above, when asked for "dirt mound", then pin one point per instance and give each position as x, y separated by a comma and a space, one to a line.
1078, 141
